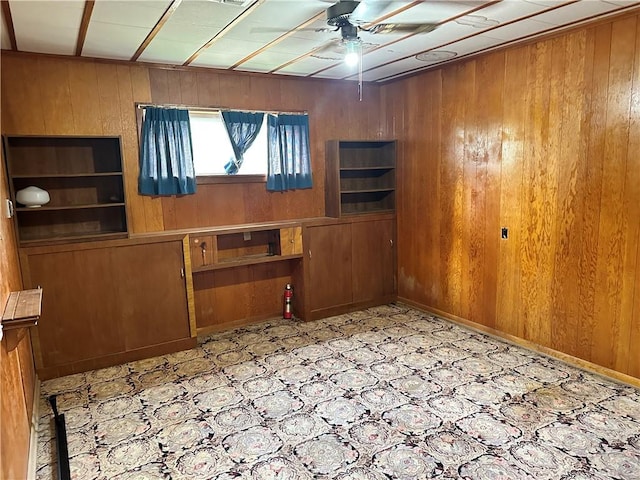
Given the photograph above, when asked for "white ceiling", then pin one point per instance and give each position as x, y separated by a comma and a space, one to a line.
266, 35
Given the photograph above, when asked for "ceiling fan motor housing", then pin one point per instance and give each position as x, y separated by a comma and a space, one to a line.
338, 14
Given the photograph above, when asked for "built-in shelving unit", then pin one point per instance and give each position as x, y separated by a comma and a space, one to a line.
84, 179
360, 177
245, 245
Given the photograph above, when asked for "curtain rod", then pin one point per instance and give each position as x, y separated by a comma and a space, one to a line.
195, 108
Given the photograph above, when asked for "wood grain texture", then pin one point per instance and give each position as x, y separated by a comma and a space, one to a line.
329, 253
633, 169
373, 259
99, 310
542, 139
511, 187
17, 373
240, 295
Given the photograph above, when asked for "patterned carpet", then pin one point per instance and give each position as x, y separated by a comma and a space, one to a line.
388, 392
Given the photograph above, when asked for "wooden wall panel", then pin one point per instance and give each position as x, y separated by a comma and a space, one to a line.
334, 110
17, 374
235, 296
85, 97
542, 139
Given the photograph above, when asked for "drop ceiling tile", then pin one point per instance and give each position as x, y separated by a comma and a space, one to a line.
575, 12
133, 13
430, 11
282, 14
622, 3
187, 33
225, 52
168, 51
520, 29
47, 27
508, 10
118, 27
106, 40
266, 61
461, 48
305, 66
204, 13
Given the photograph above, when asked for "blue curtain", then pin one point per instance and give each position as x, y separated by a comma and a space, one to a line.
243, 128
289, 164
166, 156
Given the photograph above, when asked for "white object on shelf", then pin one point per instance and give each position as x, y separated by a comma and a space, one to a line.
32, 197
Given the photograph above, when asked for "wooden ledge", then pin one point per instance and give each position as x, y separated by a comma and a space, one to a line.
23, 309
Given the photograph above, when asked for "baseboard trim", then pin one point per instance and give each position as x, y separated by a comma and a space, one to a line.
239, 323
550, 352
117, 358
33, 437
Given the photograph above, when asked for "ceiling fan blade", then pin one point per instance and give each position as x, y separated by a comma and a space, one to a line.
402, 28
332, 50
367, 11
284, 30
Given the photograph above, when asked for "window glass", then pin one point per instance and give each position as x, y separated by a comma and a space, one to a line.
212, 147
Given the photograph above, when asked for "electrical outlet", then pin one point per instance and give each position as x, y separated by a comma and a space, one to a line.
8, 208
247, 236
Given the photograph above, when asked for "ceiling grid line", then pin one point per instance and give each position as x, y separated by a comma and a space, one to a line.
156, 29
526, 17
6, 10
309, 38
277, 40
455, 17
369, 25
549, 31
84, 26
245, 13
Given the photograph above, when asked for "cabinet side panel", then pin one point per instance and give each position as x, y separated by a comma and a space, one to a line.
332, 179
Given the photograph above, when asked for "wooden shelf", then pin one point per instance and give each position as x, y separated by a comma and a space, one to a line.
248, 260
72, 238
368, 190
23, 309
360, 177
70, 207
71, 175
85, 182
245, 245
358, 169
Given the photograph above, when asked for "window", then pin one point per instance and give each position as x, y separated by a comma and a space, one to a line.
212, 149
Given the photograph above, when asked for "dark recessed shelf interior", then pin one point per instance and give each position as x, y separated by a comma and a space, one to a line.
360, 177
84, 179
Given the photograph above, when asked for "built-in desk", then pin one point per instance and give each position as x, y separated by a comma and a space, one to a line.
114, 301
236, 274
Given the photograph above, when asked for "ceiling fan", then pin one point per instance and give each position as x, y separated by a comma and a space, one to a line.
352, 16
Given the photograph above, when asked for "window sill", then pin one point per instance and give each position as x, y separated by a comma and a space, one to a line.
214, 179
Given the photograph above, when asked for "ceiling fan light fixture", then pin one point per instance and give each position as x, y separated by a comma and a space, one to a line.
352, 57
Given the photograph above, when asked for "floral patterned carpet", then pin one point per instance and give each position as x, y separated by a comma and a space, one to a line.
388, 392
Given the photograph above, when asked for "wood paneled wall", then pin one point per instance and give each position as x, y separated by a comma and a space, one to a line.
334, 112
543, 139
17, 375
44, 95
